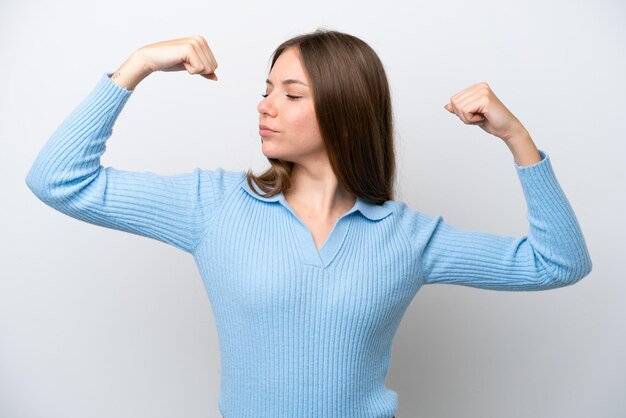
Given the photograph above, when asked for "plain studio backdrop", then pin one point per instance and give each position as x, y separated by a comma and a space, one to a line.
101, 323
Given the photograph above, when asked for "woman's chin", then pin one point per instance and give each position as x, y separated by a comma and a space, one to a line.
269, 151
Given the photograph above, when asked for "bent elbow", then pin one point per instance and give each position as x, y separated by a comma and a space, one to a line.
43, 187
585, 267
35, 184
574, 272
56, 189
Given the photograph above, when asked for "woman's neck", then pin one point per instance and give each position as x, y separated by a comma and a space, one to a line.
317, 192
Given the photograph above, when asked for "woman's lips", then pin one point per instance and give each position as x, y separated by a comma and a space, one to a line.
266, 131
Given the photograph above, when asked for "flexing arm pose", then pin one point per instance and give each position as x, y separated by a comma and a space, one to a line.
67, 174
553, 254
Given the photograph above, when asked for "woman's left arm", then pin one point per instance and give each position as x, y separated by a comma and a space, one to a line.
553, 254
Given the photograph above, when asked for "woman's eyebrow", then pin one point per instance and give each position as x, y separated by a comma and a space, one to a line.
288, 81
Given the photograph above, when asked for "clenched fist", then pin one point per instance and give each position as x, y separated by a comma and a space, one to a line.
191, 53
478, 105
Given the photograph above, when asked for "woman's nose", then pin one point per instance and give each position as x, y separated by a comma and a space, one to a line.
266, 106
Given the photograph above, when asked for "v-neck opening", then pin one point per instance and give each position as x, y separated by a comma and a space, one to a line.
323, 256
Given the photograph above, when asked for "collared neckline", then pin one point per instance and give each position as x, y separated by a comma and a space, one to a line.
368, 209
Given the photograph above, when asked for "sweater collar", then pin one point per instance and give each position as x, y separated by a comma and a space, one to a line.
368, 209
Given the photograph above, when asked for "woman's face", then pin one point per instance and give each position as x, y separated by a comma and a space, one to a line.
288, 111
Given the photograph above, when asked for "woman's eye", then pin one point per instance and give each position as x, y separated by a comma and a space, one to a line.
289, 96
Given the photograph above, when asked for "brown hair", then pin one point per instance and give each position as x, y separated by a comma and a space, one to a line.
353, 108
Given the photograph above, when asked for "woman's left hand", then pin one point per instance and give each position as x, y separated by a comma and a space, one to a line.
478, 105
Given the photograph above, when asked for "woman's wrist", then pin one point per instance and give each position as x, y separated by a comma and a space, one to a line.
523, 148
131, 72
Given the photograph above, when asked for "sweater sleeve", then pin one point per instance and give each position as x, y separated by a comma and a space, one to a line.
67, 176
552, 254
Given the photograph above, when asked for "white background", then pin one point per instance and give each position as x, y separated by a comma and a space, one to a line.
100, 323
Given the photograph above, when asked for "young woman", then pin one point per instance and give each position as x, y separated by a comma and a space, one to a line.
309, 266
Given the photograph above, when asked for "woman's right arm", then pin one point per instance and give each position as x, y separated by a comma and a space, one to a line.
67, 174
191, 54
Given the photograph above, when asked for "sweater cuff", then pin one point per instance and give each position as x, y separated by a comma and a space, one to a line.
539, 182
540, 168
106, 79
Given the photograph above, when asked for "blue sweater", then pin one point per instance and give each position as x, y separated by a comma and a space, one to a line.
302, 332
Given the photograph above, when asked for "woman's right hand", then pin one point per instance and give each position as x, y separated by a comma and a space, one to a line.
191, 53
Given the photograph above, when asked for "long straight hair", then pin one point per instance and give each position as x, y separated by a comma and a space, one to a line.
353, 108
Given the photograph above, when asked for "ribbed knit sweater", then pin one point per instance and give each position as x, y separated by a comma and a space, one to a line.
303, 332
